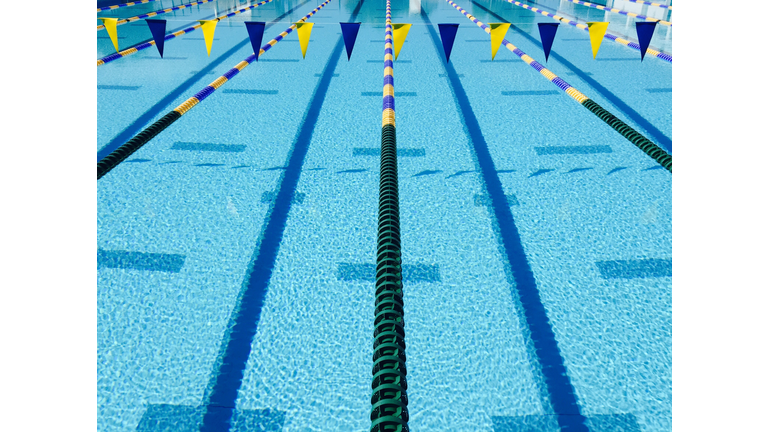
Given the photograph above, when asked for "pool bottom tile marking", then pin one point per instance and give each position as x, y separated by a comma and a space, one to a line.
208, 147
184, 418
542, 423
128, 260
367, 272
561, 150
375, 151
634, 269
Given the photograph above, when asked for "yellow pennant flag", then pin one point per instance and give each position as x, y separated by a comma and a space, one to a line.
399, 33
304, 30
596, 33
111, 25
209, 27
498, 31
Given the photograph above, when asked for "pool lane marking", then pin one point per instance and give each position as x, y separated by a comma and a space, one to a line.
630, 14
244, 321
559, 389
158, 12
113, 159
121, 5
646, 145
650, 51
142, 46
665, 141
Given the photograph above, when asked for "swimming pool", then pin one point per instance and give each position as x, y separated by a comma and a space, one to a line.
237, 248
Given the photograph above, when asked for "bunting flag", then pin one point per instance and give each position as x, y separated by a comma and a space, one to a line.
498, 31
209, 27
111, 25
547, 32
399, 33
349, 31
157, 27
644, 36
304, 29
255, 33
448, 35
596, 33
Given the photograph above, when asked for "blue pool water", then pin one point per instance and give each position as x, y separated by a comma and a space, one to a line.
191, 223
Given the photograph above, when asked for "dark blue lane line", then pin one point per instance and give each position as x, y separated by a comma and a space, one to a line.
558, 384
244, 321
661, 139
140, 123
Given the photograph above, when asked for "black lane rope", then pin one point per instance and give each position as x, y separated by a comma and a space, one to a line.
389, 402
643, 143
113, 159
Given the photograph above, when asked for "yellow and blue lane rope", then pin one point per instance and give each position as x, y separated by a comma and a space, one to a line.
113, 159
651, 4
646, 145
145, 45
389, 399
619, 11
121, 5
155, 13
650, 51
388, 110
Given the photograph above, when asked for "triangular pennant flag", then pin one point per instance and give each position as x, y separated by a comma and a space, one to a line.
209, 27
547, 32
596, 33
448, 35
498, 31
644, 36
399, 33
157, 27
111, 25
255, 33
349, 31
304, 30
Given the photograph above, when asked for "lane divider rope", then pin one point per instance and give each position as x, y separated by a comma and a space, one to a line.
389, 402
630, 14
121, 153
155, 13
145, 45
121, 5
636, 138
651, 4
650, 51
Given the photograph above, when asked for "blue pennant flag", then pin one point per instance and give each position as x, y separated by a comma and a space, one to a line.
547, 32
255, 32
157, 27
644, 36
448, 35
349, 31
